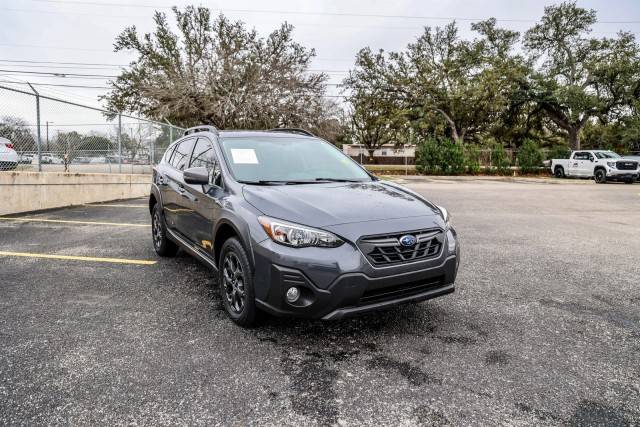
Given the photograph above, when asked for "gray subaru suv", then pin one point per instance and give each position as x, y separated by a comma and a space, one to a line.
293, 227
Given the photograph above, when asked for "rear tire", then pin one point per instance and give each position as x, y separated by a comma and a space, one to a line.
163, 246
235, 280
600, 176
628, 181
558, 172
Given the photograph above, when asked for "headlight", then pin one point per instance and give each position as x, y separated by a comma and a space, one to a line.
297, 236
445, 216
611, 164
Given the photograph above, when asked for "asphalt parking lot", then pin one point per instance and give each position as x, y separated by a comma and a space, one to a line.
544, 328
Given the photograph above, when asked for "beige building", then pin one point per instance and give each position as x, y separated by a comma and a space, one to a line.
387, 150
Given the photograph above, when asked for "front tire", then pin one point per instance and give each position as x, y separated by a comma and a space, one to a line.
600, 176
163, 246
236, 283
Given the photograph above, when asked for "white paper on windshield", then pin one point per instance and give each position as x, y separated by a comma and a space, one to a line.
244, 156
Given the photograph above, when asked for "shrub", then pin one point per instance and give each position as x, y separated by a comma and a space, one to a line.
499, 161
529, 157
472, 159
428, 156
440, 156
452, 161
559, 152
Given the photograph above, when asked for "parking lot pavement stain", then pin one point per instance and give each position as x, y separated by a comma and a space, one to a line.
591, 414
430, 417
611, 315
312, 387
497, 357
411, 373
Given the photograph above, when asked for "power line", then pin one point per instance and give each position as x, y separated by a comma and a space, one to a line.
56, 74
62, 63
288, 12
93, 76
73, 67
57, 85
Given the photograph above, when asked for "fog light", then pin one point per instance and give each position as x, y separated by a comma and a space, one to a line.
293, 294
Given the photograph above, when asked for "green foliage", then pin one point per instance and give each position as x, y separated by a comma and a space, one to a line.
428, 156
442, 156
559, 152
205, 69
499, 160
472, 159
581, 77
529, 157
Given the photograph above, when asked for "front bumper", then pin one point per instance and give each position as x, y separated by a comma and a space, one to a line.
339, 282
621, 175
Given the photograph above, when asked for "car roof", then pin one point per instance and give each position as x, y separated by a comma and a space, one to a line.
260, 133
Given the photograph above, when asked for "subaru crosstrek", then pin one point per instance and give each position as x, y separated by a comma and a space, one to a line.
294, 227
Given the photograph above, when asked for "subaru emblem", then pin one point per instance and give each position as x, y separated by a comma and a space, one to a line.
408, 240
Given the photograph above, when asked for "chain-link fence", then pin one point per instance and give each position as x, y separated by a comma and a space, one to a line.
51, 134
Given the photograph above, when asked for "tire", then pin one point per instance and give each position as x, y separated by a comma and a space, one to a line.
600, 176
558, 172
163, 246
235, 280
628, 181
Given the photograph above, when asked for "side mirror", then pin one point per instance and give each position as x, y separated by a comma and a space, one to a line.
215, 177
198, 175
591, 160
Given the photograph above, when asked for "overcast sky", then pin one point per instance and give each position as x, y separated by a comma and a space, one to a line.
84, 31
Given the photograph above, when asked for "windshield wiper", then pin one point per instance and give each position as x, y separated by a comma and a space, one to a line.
295, 182
338, 180
274, 182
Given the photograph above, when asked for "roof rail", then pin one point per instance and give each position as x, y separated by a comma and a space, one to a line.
293, 130
201, 128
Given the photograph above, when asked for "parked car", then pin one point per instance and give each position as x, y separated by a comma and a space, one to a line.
51, 159
101, 160
635, 158
8, 156
599, 164
25, 158
82, 160
294, 227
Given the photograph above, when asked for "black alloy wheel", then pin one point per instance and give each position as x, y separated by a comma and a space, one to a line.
236, 283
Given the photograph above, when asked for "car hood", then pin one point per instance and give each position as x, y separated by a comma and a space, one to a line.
323, 205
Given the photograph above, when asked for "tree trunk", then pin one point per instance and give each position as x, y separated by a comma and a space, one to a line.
574, 137
372, 160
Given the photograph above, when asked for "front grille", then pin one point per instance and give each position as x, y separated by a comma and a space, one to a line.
626, 165
400, 291
386, 249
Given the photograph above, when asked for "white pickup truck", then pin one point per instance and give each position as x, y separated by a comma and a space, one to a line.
599, 164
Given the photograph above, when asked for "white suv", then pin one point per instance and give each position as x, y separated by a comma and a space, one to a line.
8, 156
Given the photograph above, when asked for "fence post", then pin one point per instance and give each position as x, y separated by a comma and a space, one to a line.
38, 126
119, 142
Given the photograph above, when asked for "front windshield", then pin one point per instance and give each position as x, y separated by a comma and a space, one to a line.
607, 155
267, 160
